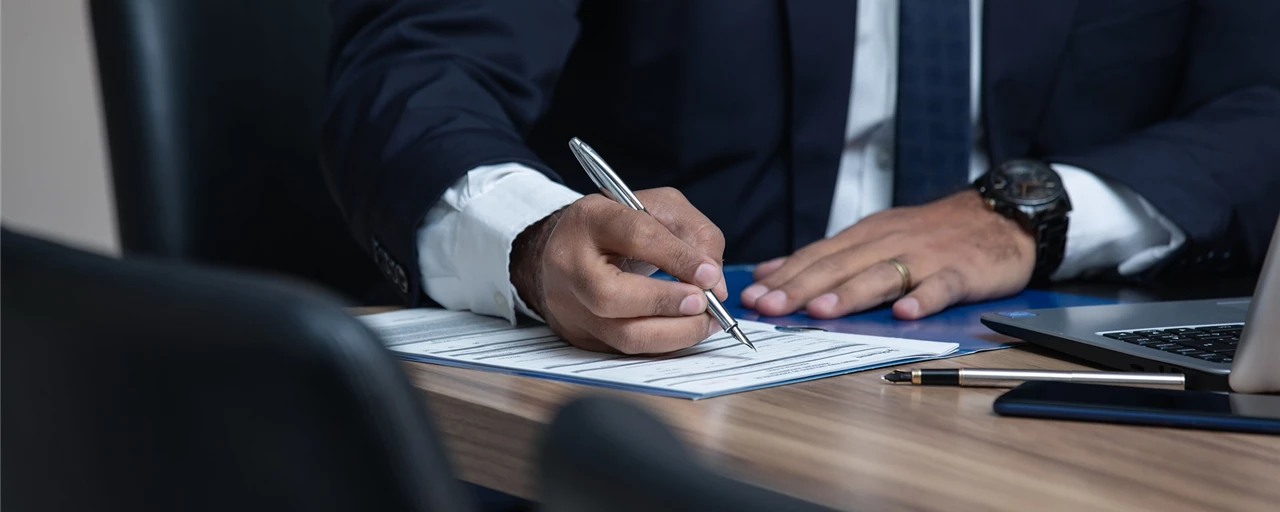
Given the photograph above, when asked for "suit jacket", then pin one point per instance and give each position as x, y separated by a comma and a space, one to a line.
741, 104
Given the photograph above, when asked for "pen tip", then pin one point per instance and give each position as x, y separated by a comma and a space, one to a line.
742, 338
897, 376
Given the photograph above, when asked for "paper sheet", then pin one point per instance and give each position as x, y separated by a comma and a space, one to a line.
717, 366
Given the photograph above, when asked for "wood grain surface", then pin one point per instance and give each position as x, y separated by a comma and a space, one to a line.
856, 443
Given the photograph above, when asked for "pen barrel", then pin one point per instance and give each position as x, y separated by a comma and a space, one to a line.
1010, 378
717, 310
936, 377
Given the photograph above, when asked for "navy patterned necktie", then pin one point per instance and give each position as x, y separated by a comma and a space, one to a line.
932, 135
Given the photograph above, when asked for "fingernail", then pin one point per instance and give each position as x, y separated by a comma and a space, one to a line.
910, 306
776, 300
706, 276
713, 330
692, 305
751, 293
824, 302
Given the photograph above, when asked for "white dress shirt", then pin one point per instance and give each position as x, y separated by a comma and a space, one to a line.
465, 241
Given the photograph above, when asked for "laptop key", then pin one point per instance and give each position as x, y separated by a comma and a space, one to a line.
1194, 353
1207, 345
1123, 335
1216, 328
1213, 358
1173, 337
1219, 348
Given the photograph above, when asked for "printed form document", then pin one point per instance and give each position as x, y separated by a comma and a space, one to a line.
717, 366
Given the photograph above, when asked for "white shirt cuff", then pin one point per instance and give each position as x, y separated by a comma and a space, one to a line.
464, 244
1112, 228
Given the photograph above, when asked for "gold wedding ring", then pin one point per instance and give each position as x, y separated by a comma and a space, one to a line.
902, 271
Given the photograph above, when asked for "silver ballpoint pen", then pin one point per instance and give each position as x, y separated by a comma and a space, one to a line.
612, 187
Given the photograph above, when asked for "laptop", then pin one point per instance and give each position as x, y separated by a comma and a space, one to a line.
1218, 344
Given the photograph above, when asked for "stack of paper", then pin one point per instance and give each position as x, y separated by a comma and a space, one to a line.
717, 366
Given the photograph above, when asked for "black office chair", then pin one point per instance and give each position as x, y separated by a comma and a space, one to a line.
606, 454
213, 112
138, 386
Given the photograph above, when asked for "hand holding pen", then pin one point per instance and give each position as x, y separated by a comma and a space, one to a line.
612, 187
563, 267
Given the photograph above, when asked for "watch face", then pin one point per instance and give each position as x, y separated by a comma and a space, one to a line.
1025, 182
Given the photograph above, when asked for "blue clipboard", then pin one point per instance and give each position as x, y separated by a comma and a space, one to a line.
958, 324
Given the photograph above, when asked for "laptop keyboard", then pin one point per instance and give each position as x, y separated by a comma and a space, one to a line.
1213, 343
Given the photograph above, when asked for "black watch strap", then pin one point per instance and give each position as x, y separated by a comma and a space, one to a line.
1051, 247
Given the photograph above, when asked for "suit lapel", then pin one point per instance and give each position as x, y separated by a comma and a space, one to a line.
1022, 49
822, 37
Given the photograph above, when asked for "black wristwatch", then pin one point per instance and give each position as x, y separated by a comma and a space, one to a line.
1031, 193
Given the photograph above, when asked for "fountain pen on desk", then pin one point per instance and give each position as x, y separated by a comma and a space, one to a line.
612, 187
1008, 378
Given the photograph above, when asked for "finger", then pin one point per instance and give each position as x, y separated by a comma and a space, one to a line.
608, 292
638, 235
655, 335
589, 343
751, 294
670, 207
855, 236
821, 276
799, 261
684, 220
877, 284
944, 288
795, 265
756, 290
789, 267
764, 269
721, 289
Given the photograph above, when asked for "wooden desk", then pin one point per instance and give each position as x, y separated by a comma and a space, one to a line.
853, 442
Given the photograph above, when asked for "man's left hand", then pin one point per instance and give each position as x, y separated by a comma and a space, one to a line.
955, 250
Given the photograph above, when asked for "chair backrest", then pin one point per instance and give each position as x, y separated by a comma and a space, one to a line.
133, 385
213, 111
606, 454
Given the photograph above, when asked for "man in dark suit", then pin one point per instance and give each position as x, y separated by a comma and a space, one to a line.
834, 140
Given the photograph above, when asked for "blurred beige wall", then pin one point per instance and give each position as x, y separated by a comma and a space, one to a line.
53, 171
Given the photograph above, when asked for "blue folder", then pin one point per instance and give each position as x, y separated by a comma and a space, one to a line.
958, 324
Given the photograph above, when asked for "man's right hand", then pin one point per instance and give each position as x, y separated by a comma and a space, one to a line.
567, 268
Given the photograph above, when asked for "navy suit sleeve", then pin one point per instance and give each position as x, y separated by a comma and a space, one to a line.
420, 92
1214, 169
